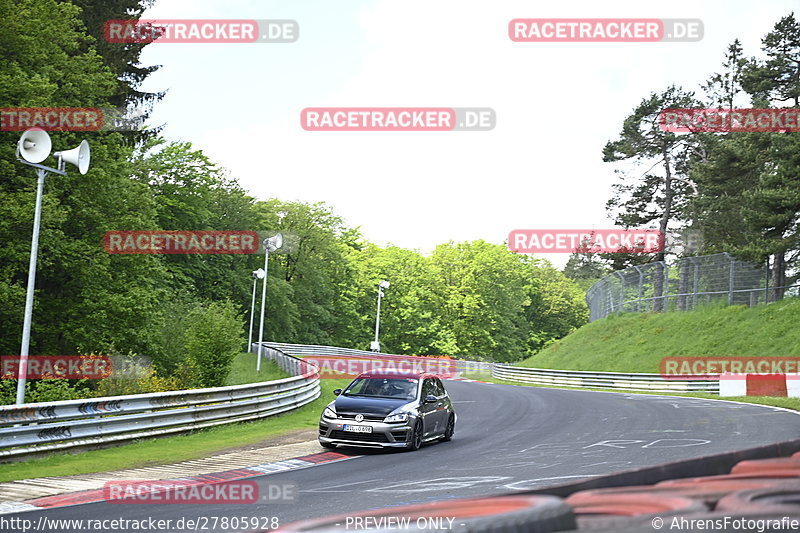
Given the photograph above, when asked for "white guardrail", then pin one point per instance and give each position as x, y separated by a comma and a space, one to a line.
540, 376
603, 380
41, 427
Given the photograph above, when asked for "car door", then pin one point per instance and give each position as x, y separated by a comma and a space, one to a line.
442, 411
429, 410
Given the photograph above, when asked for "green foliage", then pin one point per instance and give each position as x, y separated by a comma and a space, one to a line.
178, 316
636, 342
213, 337
195, 343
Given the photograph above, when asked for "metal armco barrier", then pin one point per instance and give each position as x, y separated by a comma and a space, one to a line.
41, 427
602, 380
310, 350
539, 376
38, 427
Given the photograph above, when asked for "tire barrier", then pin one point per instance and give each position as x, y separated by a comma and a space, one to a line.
706, 493
502, 514
762, 465
782, 498
718, 522
774, 475
602, 509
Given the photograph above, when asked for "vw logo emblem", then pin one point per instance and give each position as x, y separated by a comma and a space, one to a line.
359, 418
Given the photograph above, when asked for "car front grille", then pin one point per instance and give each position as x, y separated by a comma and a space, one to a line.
371, 418
360, 437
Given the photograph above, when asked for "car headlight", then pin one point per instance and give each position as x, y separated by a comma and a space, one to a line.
329, 413
396, 417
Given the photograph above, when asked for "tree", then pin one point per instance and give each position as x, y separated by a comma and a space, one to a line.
84, 298
653, 197
750, 204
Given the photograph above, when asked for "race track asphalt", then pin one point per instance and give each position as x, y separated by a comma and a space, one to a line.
508, 438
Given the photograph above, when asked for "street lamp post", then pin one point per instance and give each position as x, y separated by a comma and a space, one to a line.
33, 148
270, 245
257, 275
375, 345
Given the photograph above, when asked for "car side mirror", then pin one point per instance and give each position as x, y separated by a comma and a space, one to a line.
430, 398
337, 392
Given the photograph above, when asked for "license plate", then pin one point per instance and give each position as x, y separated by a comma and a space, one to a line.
357, 429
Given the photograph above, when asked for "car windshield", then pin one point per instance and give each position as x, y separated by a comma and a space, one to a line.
400, 388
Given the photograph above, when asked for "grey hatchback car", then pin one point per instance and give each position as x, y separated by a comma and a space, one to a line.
388, 411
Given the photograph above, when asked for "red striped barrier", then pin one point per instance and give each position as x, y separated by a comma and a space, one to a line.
784, 385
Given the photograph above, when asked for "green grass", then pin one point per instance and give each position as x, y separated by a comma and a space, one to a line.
786, 403
243, 370
636, 342
186, 447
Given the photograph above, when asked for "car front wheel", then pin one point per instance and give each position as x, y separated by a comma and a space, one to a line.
415, 440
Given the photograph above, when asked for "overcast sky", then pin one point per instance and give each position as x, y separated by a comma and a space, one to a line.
557, 104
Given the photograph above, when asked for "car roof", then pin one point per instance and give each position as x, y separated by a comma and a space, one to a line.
396, 375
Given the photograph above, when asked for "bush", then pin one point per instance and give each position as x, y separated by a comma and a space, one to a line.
134, 375
213, 337
196, 343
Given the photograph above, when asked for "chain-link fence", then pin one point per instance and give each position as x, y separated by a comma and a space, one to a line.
689, 282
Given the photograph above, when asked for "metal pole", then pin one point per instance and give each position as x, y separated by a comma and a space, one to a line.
378, 315
639, 290
26, 326
263, 302
252, 312
730, 280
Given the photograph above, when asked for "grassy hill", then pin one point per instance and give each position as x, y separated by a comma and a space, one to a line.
636, 342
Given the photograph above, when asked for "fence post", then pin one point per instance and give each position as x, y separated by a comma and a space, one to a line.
766, 285
639, 296
665, 306
621, 291
731, 268
696, 280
